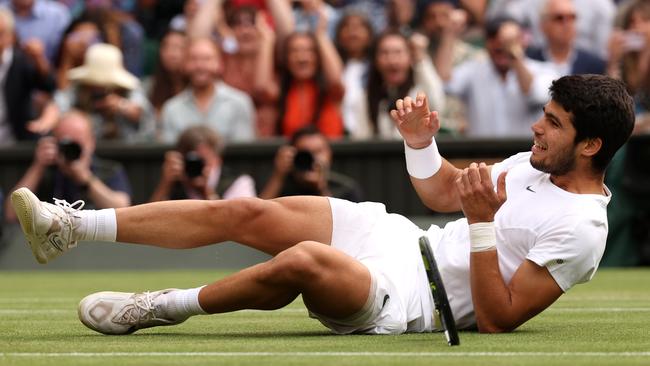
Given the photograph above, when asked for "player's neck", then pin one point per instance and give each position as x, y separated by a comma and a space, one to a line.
580, 182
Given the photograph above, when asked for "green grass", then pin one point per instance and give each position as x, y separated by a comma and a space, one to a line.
601, 323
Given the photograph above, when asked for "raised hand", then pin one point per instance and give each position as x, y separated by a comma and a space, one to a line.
415, 122
478, 199
266, 33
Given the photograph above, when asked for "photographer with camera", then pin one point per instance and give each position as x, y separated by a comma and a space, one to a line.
65, 166
195, 170
303, 168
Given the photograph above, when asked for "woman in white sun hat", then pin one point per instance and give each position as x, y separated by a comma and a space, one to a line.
111, 95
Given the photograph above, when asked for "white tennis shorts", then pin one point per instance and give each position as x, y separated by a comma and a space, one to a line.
387, 244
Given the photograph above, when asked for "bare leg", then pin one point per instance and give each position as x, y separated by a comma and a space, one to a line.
332, 283
270, 226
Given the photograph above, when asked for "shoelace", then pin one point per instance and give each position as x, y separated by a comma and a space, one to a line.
142, 310
69, 207
70, 210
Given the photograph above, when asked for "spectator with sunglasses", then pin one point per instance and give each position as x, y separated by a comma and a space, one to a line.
558, 24
594, 21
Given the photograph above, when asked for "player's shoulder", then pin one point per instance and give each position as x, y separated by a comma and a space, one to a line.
520, 160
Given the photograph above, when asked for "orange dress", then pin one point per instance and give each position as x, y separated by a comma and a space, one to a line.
301, 105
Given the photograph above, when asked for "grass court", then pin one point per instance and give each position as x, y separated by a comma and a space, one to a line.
604, 322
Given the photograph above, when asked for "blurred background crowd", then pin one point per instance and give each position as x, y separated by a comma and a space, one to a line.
145, 70
199, 74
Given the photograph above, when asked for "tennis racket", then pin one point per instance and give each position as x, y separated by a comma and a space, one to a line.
439, 294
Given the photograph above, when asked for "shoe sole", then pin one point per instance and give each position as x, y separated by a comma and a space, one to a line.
20, 200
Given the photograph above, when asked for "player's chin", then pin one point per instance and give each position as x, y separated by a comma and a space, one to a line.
540, 165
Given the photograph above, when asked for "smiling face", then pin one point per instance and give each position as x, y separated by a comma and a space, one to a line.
302, 57
554, 149
203, 63
393, 59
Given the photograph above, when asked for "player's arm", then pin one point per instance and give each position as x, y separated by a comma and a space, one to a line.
499, 306
432, 176
438, 192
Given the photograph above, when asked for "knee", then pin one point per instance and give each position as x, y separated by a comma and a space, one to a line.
298, 265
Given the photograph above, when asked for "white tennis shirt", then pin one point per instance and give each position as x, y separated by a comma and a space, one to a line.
563, 231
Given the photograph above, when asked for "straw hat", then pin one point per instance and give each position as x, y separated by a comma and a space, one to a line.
103, 67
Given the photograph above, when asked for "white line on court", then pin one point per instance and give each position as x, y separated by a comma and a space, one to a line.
598, 310
37, 299
327, 354
35, 311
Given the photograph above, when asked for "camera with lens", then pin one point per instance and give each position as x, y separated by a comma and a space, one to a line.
193, 165
303, 161
70, 150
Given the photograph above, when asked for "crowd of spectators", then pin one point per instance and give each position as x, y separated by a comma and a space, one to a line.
159, 71
198, 74
254, 69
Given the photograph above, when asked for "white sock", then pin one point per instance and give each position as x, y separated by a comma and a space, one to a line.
181, 304
97, 225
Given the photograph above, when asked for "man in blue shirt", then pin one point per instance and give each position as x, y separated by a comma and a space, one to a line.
42, 20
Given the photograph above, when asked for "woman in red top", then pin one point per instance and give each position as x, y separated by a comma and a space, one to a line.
311, 87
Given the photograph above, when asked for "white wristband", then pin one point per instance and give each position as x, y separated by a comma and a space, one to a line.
482, 237
423, 163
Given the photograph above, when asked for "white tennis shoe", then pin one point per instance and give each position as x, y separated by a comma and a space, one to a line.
48, 228
123, 312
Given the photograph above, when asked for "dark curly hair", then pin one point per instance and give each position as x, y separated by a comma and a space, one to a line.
601, 108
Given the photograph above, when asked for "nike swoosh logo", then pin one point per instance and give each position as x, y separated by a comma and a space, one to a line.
386, 298
530, 189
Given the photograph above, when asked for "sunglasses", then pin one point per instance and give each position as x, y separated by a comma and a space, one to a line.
561, 18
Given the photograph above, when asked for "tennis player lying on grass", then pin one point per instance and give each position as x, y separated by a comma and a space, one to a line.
359, 268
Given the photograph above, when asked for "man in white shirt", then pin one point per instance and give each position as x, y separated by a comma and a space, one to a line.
208, 101
358, 268
503, 93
